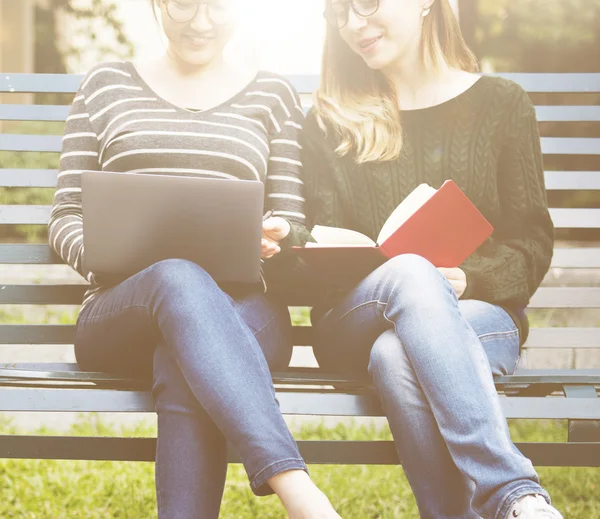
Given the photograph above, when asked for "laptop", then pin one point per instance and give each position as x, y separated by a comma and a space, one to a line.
133, 220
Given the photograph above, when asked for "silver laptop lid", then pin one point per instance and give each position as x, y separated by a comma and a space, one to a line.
132, 221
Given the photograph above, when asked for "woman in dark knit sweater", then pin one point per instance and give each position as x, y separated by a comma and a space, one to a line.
193, 112
399, 105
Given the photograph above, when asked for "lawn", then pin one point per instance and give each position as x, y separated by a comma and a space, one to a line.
94, 490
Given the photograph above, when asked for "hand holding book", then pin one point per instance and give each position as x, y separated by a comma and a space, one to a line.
457, 278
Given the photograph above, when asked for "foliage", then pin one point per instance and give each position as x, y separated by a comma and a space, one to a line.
96, 34
36, 489
534, 35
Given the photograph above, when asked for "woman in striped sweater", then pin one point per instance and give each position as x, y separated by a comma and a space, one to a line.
191, 112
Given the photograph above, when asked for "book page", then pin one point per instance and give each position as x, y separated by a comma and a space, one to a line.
336, 236
405, 210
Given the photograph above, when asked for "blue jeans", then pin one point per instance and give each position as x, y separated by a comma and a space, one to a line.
207, 354
431, 360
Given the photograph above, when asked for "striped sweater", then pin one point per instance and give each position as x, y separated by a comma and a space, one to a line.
118, 123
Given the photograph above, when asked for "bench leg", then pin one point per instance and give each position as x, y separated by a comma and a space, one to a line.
582, 430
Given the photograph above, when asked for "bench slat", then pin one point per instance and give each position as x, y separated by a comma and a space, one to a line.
314, 452
54, 374
564, 338
555, 83
40, 83
25, 214
18, 142
581, 113
296, 403
584, 338
59, 113
42, 294
33, 112
33, 254
555, 180
566, 297
570, 146
37, 334
53, 144
545, 297
28, 254
28, 177
531, 82
574, 218
69, 83
570, 218
521, 376
575, 258
572, 180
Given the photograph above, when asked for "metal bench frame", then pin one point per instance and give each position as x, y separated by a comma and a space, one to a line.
551, 394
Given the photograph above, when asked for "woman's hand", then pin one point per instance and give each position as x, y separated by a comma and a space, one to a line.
457, 278
274, 230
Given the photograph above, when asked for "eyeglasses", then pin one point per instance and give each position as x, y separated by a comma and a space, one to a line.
182, 11
337, 13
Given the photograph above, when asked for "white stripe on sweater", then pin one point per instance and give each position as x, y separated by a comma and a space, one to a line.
286, 161
285, 84
261, 107
286, 196
211, 173
288, 213
120, 102
285, 178
80, 135
108, 88
121, 127
242, 118
79, 154
77, 116
136, 111
296, 144
272, 96
192, 134
101, 70
183, 152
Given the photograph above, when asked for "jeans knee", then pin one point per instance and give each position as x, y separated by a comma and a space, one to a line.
410, 264
177, 276
388, 358
414, 282
409, 271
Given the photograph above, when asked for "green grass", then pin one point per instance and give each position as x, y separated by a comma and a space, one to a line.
31, 489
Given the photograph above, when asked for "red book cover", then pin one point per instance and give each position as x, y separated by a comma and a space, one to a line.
445, 230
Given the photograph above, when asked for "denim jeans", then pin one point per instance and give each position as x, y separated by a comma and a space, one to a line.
211, 379
431, 360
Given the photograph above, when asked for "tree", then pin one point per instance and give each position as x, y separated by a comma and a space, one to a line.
95, 34
534, 35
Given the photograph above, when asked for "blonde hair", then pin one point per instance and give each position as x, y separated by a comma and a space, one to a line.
359, 104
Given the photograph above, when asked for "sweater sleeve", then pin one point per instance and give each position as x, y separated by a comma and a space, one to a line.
509, 267
285, 185
79, 153
285, 188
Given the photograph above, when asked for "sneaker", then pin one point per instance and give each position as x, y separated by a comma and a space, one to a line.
533, 507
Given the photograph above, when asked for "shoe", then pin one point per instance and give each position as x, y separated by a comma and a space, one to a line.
533, 507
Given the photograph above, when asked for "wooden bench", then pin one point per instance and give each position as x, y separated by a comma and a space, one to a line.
551, 394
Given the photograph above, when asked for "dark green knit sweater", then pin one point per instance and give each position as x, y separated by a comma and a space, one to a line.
487, 141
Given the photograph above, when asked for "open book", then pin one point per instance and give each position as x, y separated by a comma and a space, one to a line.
442, 225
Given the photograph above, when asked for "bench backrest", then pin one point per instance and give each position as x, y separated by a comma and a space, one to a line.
563, 156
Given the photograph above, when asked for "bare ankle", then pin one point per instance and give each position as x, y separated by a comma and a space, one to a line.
301, 497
